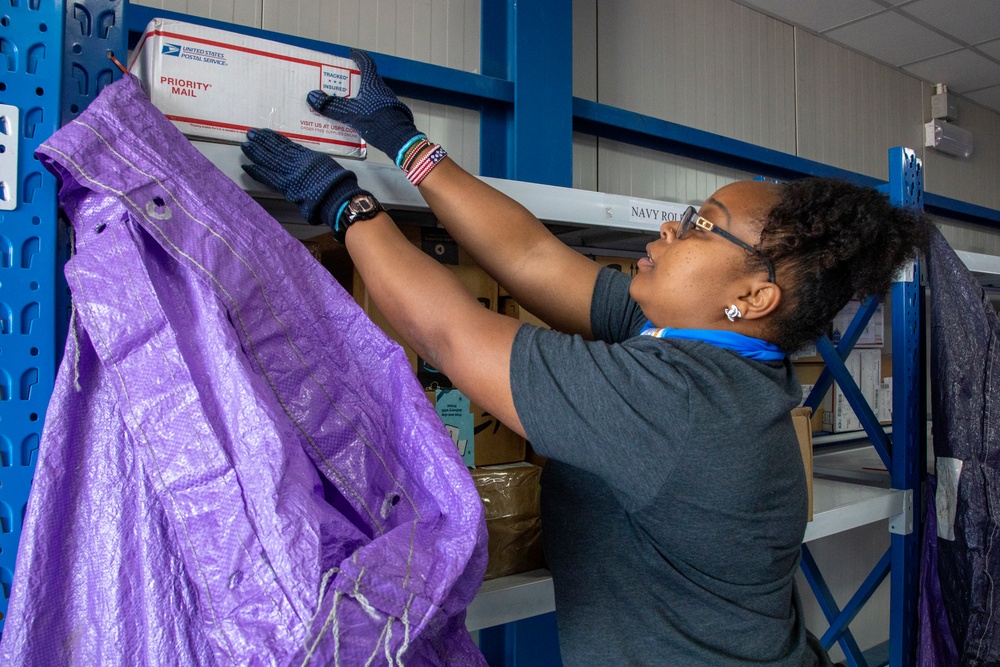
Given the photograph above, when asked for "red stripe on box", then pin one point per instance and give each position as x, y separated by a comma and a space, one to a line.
244, 128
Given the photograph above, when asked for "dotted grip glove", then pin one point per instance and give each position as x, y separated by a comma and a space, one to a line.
376, 114
316, 182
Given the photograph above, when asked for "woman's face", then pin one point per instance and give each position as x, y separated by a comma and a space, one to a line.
687, 283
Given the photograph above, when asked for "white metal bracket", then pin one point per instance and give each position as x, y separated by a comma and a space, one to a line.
902, 523
9, 136
905, 274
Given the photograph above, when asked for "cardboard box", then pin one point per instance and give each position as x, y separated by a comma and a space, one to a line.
874, 333
214, 84
808, 373
865, 366
802, 420
333, 256
481, 439
627, 265
512, 308
806, 354
490, 442
511, 500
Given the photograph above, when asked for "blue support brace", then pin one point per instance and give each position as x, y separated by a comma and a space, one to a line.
31, 35
844, 347
828, 605
864, 593
526, 643
834, 359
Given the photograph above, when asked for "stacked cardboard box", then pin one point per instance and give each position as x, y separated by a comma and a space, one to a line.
480, 437
510, 495
868, 366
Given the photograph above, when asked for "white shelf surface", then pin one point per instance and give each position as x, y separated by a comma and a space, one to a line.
985, 267
837, 507
510, 599
549, 203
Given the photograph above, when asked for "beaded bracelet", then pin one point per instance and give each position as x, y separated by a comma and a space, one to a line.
425, 164
407, 148
412, 153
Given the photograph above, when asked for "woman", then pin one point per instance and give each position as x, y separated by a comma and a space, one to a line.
674, 501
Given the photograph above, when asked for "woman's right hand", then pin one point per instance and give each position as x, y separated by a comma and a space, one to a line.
375, 113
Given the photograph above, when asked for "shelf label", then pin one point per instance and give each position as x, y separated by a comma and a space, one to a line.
654, 212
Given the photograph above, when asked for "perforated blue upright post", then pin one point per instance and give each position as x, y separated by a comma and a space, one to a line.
93, 28
906, 188
54, 63
31, 33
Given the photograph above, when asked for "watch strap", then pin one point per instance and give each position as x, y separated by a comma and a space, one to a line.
342, 220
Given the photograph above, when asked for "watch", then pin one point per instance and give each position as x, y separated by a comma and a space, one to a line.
362, 206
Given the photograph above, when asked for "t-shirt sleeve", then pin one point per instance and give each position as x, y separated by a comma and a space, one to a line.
614, 315
617, 411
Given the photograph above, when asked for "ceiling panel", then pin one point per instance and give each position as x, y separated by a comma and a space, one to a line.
990, 97
892, 38
971, 21
956, 42
991, 49
817, 15
963, 71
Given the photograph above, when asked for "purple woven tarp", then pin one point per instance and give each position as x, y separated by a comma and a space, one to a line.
238, 467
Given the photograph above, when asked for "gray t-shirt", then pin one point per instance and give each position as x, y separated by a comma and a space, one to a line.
674, 503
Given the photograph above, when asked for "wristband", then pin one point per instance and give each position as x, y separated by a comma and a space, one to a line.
425, 164
412, 153
401, 156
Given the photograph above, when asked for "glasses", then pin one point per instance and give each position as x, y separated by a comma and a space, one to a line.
691, 219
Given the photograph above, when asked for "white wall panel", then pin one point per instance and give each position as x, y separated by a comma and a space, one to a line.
630, 170
240, 12
441, 32
969, 237
585, 162
709, 64
975, 179
585, 49
850, 109
455, 129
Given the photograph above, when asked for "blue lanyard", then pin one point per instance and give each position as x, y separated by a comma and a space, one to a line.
751, 348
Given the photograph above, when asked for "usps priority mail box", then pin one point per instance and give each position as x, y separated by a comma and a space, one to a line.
215, 85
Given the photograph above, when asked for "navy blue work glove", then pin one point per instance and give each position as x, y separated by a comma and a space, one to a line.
316, 182
376, 114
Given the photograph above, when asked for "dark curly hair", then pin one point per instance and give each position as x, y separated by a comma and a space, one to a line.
829, 241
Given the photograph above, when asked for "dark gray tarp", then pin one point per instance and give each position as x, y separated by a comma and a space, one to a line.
965, 391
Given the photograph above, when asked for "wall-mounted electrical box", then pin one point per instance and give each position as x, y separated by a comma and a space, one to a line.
944, 106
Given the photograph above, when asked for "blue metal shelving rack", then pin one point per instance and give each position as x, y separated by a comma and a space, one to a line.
55, 56
31, 34
901, 455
